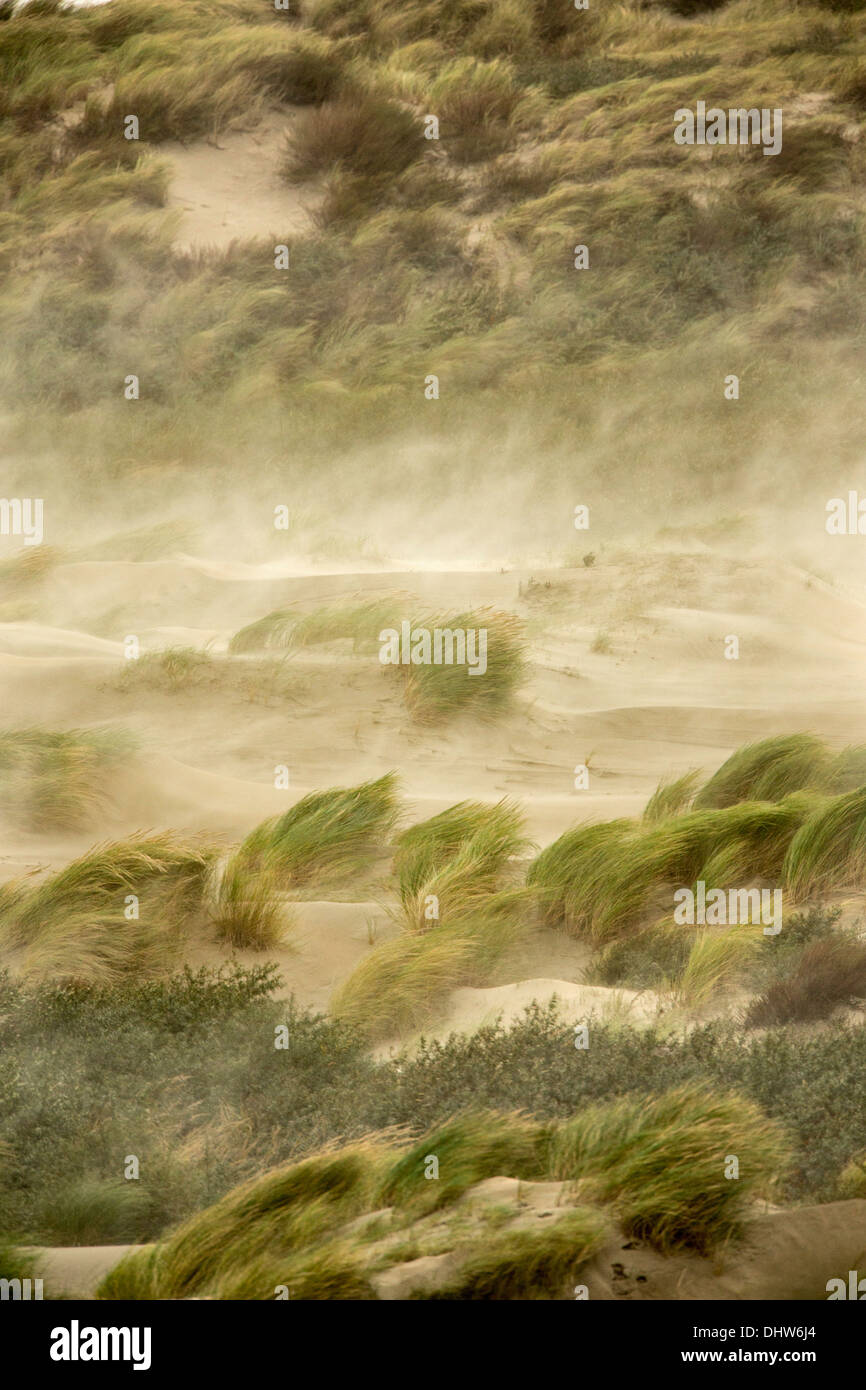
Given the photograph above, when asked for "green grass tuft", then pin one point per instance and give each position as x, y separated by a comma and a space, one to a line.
325, 834
459, 857
120, 910
403, 984
661, 1163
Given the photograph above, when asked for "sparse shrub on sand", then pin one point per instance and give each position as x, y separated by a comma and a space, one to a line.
59, 779
325, 834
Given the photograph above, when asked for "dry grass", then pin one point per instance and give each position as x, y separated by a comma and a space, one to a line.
828, 974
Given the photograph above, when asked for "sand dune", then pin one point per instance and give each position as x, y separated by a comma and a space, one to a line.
657, 699
784, 1256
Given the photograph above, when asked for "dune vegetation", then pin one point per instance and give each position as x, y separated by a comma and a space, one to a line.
85, 963
187, 670
121, 910
111, 1050
328, 834
432, 690
59, 779
298, 1228
601, 880
555, 128
458, 855
403, 984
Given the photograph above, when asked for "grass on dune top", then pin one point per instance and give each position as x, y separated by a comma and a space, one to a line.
60, 779
775, 811
121, 909
659, 1166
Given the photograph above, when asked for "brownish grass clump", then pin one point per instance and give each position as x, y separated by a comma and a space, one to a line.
829, 973
366, 135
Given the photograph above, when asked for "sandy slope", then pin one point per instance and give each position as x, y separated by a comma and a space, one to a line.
230, 189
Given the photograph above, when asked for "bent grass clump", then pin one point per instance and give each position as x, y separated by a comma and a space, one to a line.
247, 912
120, 910
528, 1264
775, 767
661, 1163
285, 629
656, 1166
52, 779
671, 798
368, 135
403, 984
176, 670
600, 880
458, 858
829, 850
325, 835
262, 1235
432, 690
437, 691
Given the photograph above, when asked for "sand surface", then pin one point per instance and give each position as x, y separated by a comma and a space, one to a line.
230, 189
